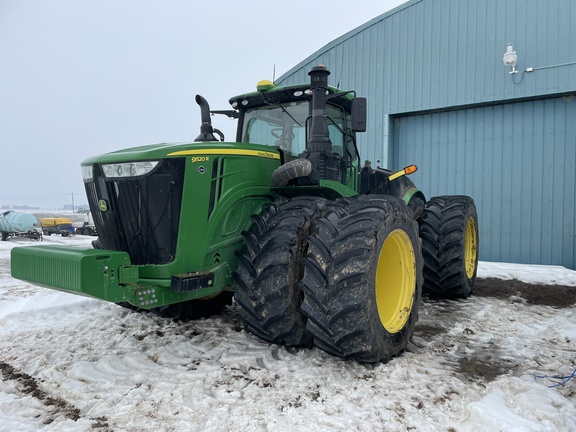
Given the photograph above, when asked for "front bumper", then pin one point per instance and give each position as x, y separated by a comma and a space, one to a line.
92, 272
106, 275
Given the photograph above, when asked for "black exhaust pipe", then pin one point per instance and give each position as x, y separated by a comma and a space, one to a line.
206, 129
319, 139
326, 163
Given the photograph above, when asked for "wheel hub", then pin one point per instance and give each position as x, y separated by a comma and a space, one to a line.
470, 248
395, 281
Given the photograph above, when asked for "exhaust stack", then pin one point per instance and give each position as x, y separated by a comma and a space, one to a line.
326, 163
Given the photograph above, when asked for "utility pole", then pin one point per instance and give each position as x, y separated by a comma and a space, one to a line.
73, 203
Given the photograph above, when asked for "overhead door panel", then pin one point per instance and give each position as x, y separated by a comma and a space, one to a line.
516, 160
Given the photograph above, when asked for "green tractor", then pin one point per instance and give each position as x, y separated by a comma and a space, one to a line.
316, 249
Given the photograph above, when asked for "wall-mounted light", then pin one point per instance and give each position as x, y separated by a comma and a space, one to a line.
510, 58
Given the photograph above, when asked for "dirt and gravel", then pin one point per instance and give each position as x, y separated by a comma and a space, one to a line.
559, 296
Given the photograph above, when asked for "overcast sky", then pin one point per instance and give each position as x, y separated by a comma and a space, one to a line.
80, 78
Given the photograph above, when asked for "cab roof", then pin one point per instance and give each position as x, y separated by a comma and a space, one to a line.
292, 93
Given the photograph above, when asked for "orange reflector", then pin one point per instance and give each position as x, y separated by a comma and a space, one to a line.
410, 169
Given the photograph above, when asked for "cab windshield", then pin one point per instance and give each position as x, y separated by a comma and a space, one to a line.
284, 125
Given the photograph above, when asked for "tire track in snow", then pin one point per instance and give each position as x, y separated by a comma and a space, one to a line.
465, 337
57, 406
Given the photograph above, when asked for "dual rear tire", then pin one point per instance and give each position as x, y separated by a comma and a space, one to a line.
270, 270
449, 232
343, 276
363, 280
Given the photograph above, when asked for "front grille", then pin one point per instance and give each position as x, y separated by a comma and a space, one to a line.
143, 213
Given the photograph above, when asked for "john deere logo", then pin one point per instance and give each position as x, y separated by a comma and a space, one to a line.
103, 205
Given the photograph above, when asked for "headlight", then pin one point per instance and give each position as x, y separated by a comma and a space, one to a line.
87, 173
130, 169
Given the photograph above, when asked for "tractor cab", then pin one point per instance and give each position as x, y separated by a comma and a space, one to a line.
305, 121
281, 118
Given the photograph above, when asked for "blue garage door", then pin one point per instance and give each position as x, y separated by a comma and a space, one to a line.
518, 163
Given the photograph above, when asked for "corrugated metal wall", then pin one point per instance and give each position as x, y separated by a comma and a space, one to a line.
430, 56
434, 54
517, 160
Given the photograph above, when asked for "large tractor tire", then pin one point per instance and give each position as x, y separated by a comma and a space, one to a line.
449, 233
363, 279
270, 267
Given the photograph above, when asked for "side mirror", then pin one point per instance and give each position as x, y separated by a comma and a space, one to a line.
359, 114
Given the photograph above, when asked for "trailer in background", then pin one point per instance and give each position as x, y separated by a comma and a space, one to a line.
56, 225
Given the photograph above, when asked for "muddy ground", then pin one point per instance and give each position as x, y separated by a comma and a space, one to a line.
559, 296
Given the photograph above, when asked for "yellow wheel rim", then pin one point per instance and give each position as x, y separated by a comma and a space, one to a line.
395, 281
470, 248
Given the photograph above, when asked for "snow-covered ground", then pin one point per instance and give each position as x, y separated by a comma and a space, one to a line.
70, 363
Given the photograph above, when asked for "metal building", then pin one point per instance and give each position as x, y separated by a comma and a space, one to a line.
440, 96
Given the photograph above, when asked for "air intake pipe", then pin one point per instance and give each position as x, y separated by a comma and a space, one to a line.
206, 129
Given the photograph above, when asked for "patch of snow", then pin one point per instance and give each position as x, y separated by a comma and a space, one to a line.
536, 274
69, 363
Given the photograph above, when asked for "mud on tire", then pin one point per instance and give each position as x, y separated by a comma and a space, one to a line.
270, 268
362, 279
449, 233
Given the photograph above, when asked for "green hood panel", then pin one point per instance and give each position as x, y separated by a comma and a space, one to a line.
160, 151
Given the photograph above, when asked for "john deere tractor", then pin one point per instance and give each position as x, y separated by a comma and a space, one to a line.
315, 248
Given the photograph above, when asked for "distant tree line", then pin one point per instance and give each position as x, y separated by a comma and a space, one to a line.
18, 207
